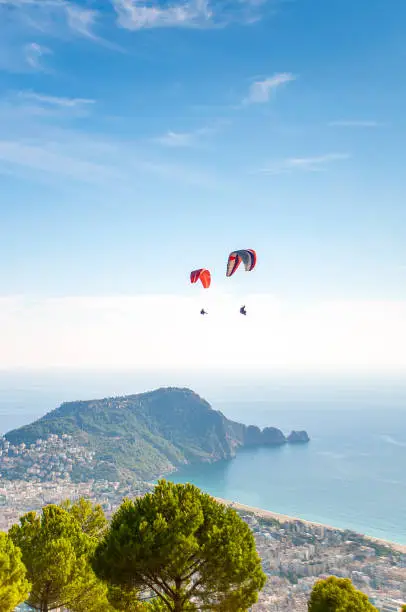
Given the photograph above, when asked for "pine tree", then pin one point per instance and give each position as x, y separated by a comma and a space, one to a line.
338, 595
14, 586
184, 547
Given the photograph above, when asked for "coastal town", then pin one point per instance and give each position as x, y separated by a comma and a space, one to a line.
51, 459
294, 553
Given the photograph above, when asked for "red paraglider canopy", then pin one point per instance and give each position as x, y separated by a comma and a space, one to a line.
203, 275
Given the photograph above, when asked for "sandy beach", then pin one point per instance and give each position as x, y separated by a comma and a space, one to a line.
267, 514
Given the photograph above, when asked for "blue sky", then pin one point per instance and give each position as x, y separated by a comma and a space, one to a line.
140, 140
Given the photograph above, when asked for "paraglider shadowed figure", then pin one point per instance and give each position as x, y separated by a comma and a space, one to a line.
242, 310
203, 312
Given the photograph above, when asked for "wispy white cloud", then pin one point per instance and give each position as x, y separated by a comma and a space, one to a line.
34, 54
51, 159
37, 145
261, 91
183, 139
136, 14
23, 112
139, 14
21, 20
176, 139
103, 163
306, 164
47, 16
54, 100
81, 20
392, 440
356, 123
24, 21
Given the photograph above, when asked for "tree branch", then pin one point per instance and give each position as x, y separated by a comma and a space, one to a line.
166, 602
195, 567
162, 584
192, 590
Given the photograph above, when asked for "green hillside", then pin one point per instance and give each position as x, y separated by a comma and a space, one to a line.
145, 435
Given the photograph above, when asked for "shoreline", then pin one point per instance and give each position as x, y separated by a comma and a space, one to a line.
283, 518
269, 514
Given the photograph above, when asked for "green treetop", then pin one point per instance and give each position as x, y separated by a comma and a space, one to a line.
185, 549
90, 518
56, 553
14, 587
338, 595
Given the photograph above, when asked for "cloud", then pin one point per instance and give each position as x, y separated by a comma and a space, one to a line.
47, 16
135, 14
140, 14
355, 123
183, 139
176, 139
34, 54
92, 160
22, 21
49, 158
54, 100
81, 20
101, 331
260, 91
306, 164
391, 440
28, 114
39, 141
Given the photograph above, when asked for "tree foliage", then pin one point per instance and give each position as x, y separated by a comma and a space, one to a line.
125, 599
338, 595
91, 594
184, 547
55, 551
14, 586
91, 519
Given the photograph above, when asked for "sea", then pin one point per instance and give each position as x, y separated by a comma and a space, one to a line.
351, 475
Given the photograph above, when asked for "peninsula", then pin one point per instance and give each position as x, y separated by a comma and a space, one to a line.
134, 437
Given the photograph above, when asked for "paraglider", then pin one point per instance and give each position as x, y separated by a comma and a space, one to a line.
249, 259
247, 256
205, 278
